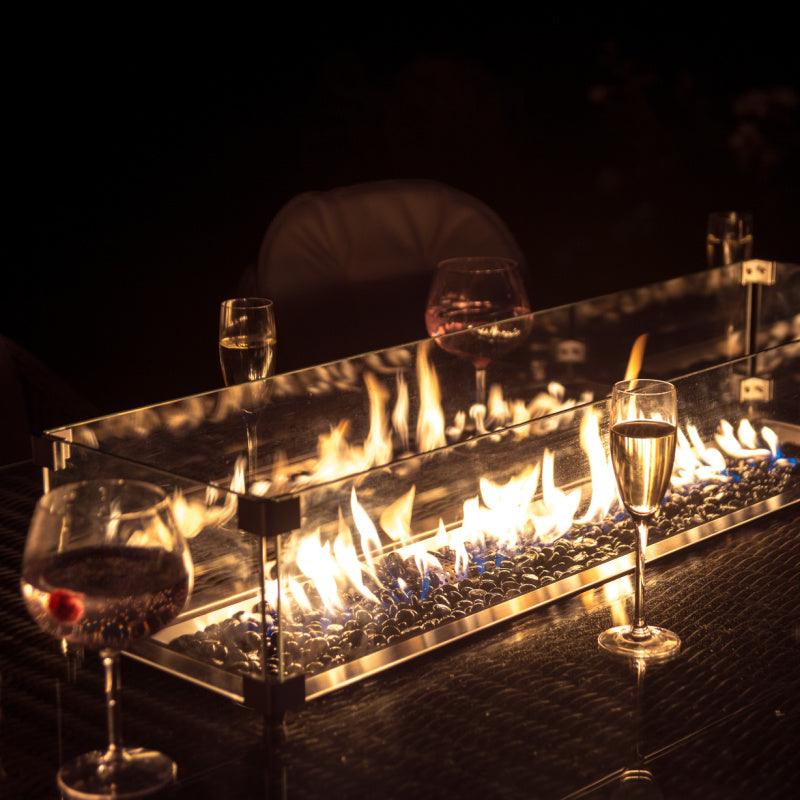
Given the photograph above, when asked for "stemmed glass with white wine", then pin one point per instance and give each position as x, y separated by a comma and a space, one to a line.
247, 341
729, 238
643, 423
105, 564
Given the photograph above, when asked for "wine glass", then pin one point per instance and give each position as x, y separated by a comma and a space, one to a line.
643, 431
247, 341
468, 293
730, 237
104, 565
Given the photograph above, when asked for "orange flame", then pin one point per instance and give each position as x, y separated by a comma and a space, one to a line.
400, 413
636, 358
430, 421
378, 444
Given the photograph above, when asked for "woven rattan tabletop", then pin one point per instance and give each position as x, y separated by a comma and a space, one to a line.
530, 709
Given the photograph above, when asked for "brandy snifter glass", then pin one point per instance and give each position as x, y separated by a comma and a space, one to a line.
104, 565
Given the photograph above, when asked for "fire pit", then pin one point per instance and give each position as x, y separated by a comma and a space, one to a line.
385, 516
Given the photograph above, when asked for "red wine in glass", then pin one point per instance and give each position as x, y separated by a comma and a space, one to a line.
105, 564
480, 299
101, 597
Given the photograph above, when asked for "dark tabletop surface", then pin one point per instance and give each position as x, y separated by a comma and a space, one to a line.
529, 709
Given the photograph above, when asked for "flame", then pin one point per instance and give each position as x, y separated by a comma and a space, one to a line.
509, 504
771, 438
555, 512
378, 444
694, 462
346, 557
194, 516
746, 434
299, 594
430, 420
635, 359
546, 403
316, 561
497, 407
733, 447
604, 487
370, 540
501, 513
400, 413
477, 413
519, 414
396, 517
457, 428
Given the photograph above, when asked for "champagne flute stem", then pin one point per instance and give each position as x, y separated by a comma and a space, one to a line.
113, 702
480, 385
640, 630
251, 424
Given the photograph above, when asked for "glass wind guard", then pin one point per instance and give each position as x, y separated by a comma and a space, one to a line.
779, 314
350, 416
403, 559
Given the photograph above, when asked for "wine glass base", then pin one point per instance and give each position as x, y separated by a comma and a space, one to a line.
131, 773
661, 644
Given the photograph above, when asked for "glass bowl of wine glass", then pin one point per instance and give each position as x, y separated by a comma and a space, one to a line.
104, 565
481, 295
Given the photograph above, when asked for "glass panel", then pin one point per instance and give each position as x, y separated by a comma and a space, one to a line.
407, 557
779, 320
342, 418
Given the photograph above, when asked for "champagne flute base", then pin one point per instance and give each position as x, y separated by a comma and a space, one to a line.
660, 644
128, 773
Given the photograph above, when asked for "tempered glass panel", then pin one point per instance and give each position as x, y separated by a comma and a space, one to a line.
346, 417
407, 557
225, 559
779, 318
421, 550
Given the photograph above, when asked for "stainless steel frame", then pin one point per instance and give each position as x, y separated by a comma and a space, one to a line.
156, 652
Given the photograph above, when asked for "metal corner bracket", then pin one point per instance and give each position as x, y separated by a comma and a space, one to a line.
759, 272
268, 517
272, 698
48, 453
755, 390
570, 351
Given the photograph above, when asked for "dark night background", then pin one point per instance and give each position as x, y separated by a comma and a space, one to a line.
144, 174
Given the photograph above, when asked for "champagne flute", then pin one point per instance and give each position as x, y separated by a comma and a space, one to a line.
468, 293
104, 565
643, 431
247, 341
730, 237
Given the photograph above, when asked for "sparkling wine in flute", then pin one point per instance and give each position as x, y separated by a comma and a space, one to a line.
246, 358
643, 418
722, 251
642, 452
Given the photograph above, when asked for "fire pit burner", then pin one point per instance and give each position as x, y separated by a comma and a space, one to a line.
382, 514
415, 604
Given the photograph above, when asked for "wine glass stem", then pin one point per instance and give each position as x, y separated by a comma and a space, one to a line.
640, 630
113, 701
480, 385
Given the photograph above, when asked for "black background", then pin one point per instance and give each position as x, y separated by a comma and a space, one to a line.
145, 163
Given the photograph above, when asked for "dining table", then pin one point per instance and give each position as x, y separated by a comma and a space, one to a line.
530, 708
